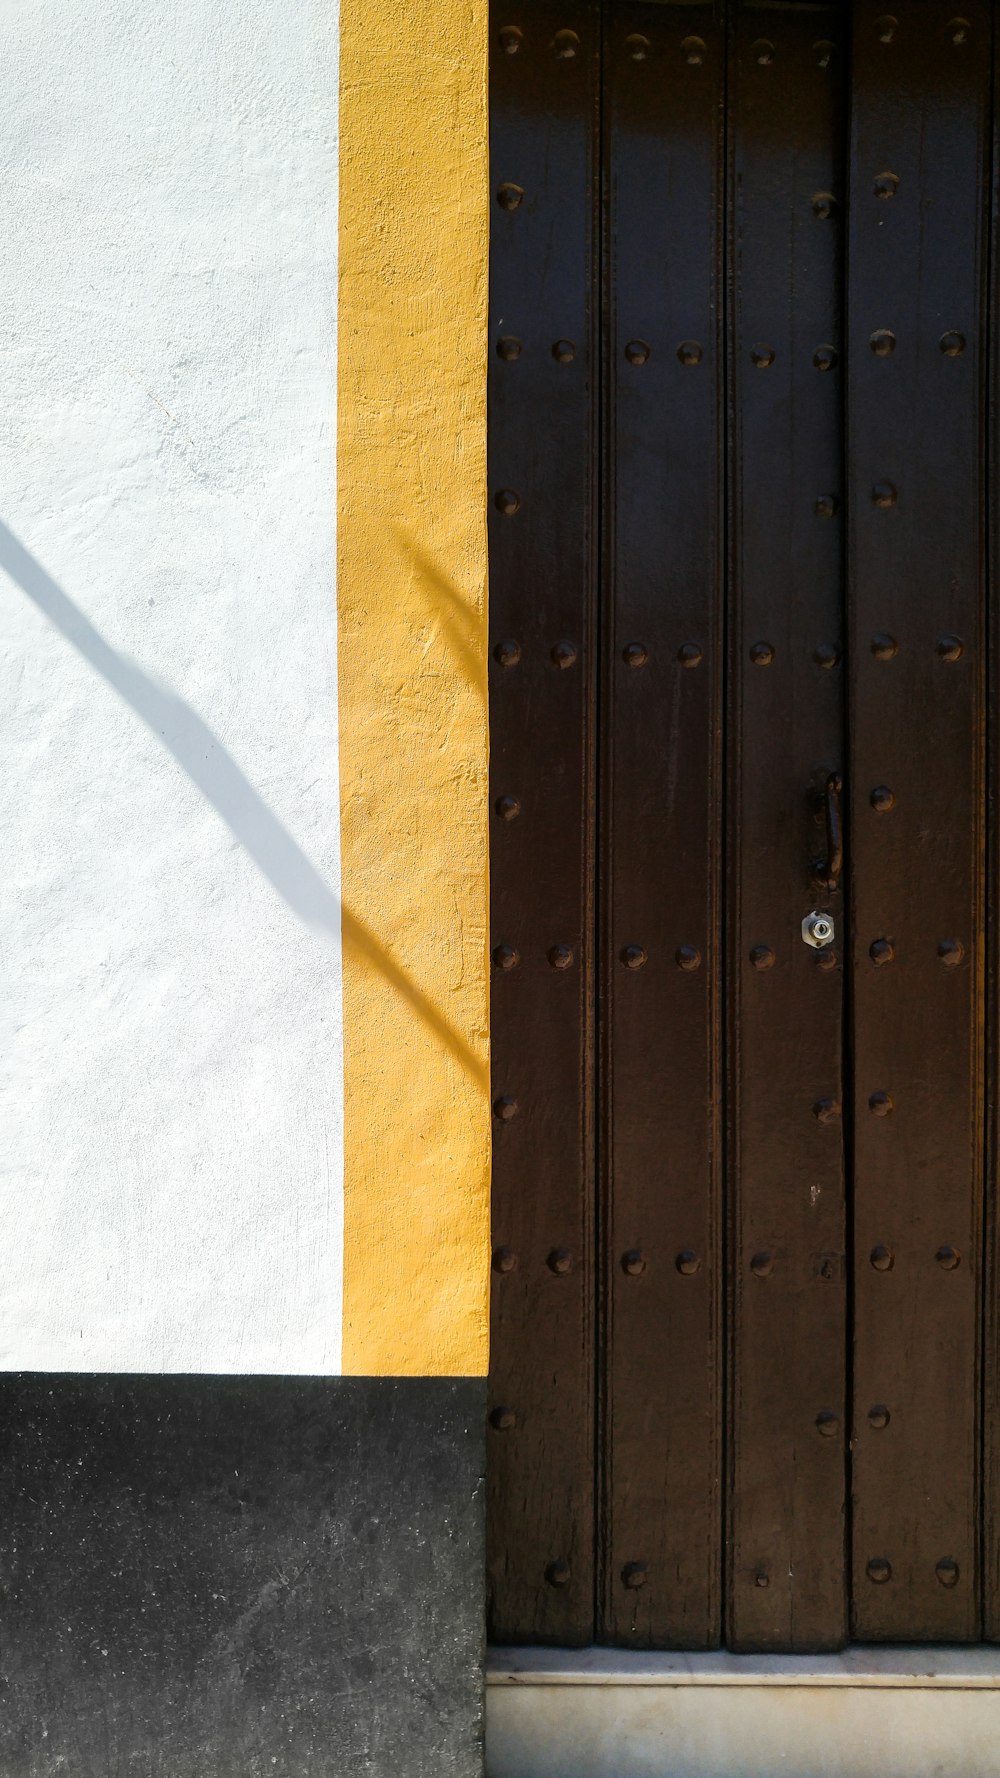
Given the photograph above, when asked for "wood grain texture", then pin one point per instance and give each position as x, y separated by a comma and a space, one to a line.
662, 650
793, 335
543, 456
787, 1582
916, 416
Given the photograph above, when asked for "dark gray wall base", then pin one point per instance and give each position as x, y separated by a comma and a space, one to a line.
209, 1577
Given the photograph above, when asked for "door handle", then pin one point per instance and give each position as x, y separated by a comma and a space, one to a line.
829, 869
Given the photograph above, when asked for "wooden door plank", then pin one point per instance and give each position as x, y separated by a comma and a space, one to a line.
991, 1292
788, 1295
543, 465
916, 433
661, 727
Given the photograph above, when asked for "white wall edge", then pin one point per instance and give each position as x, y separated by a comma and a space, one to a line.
913, 1668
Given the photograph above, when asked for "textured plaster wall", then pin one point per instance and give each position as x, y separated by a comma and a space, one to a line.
414, 207
171, 1193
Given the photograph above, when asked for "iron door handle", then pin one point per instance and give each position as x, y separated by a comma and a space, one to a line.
828, 873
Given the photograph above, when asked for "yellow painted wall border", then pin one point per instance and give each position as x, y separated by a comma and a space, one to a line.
411, 601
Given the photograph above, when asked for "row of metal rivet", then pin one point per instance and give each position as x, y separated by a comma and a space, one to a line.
565, 44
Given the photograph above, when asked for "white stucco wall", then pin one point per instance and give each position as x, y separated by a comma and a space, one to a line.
169, 930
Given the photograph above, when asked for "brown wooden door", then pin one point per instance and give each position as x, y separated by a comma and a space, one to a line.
744, 1339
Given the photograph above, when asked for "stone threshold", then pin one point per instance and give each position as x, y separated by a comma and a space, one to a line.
869, 1712
920, 1666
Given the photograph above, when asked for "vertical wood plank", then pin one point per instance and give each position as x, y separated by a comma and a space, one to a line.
661, 726
919, 161
991, 1328
788, 1294
543, 462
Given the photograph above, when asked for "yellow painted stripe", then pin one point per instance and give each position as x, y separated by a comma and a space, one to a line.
411, 576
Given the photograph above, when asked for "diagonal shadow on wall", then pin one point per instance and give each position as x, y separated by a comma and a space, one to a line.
457, 620
201, 755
